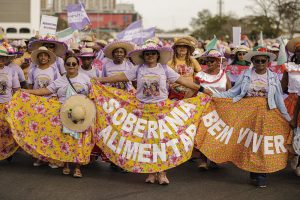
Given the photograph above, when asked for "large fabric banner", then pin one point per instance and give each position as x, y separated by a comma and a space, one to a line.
145, 138
77, 17
245, 133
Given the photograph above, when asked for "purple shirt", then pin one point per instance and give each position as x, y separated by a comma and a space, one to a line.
59, 87
152, 84
58, 64
8, 81
19, 71
41, 78
111, 69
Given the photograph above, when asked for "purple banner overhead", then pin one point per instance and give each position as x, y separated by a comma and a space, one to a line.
77, 17
136, 34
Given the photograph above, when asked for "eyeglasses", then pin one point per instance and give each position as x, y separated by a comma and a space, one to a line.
150, 53
241, 53
210, 61
260, 61
71, 64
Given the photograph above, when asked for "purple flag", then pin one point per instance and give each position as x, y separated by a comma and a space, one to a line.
135, 33
77, 17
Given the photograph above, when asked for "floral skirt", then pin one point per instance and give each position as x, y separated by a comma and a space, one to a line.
8, 146
36, 127
290, 103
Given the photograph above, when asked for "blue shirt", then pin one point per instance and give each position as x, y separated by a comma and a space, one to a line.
275, 94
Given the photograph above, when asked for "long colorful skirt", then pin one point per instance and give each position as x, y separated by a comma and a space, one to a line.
290, 103
37, 128
8, 146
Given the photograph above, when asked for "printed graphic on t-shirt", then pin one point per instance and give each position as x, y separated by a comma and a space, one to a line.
258, 88
3, 84
184, 70
80, 89
150, 86
42, 81
119, 85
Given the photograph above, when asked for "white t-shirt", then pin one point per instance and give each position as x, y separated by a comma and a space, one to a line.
8, 81
92, 73
59, 87
41, 78
19, 71
259, 85
152, 82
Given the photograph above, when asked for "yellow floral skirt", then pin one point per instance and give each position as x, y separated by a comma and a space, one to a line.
36, 127
8, 146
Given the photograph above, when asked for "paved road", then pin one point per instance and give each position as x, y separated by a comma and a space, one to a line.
20, 181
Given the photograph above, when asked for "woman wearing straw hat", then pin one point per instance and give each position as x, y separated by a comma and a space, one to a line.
87, 56
152, 75
9, 83
117, 52
74, 143
183, 63
239, 64
214, 78
291, 84
58, 48
259, 81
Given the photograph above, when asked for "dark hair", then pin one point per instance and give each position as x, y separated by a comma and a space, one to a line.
72, 56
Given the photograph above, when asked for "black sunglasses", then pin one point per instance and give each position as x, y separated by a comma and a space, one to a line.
241, 53
71, 64
210, 61
150, 53
260, 61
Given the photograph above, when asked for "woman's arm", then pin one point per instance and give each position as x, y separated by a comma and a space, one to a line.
228, 83
39, 92
285, 81
189, 84
113, 79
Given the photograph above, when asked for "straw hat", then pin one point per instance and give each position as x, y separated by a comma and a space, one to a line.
292, 44
74, 46
197, 53
78, 113
87, 52
259, 52
35, 53
4, 52
101, 42
165, 53
60, 47
90, 44
213, 53
86, 38
241, 48
274, 47
187, 41
108, 50
18, 43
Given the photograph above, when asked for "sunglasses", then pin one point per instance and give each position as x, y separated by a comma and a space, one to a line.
71, 64
210, 61
87, 58
150, 53
241, 54
260, 61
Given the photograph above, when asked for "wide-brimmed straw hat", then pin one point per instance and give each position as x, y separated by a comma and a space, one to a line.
86, 52
259, 52
35, 53
187, 41
108, 50
78, 113
74, 46
241, 48
274, 47
60, 47
101, 42
5, 53
213, 53
165, 53
292, 44
18, 43
86, 38
197, 53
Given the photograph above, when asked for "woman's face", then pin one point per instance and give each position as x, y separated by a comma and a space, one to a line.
150, 57
3, 60
260, 62
71, 66
240, 55
87, 61
119, 54
22, 49
212, 63
182, 49
43, 58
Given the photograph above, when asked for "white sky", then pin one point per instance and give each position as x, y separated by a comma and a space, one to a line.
170, 14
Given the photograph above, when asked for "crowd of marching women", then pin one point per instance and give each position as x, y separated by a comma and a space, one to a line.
64, 76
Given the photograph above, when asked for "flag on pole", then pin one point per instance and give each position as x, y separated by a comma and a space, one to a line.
136, 34
212, 44
282, 57
261, 39
77, 17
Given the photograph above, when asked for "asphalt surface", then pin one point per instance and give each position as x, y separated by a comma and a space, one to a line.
20, 180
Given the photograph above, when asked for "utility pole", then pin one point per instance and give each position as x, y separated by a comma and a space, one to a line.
220, 7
